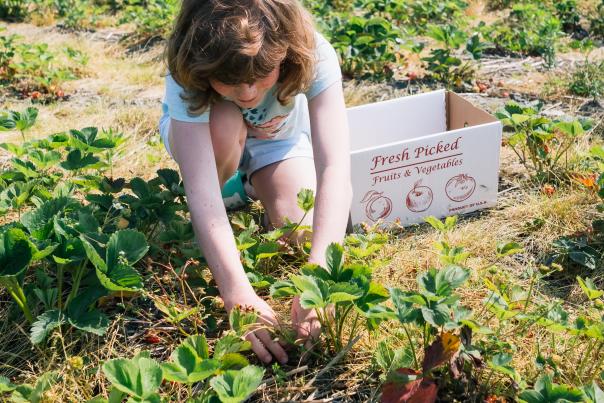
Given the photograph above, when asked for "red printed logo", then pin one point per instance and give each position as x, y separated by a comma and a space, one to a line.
419, 198
460, 187
377, 206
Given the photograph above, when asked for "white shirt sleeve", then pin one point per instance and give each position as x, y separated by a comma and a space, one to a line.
176, 107
327, 69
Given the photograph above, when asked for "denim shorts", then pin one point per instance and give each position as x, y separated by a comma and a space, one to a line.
258, 153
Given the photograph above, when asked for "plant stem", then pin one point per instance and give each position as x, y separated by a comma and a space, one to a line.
60, 286
530, 291
584, 359
15, 290
412, 346
77, 277
598, 364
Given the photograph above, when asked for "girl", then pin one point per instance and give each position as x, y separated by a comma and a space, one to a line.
248, 82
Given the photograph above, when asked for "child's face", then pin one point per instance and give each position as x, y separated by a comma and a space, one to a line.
247, 95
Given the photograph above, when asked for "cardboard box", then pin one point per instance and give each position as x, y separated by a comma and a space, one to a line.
421, 155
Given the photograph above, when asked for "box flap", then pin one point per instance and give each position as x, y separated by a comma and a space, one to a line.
397, 119
462, 113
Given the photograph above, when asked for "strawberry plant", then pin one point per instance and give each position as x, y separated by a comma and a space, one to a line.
541, 144
435, 323
34, 71
225, 375
588, 80
152, 18
367, 46
139, 378
15, 256
547, 391
596, 22
348, 289
29, 393
22, 121
442, 65
530, 29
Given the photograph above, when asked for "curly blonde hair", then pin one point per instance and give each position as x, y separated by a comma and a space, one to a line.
240, 41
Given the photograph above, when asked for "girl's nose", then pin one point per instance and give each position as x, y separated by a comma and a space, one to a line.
248, 91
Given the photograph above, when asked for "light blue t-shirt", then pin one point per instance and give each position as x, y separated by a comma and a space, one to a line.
269, 120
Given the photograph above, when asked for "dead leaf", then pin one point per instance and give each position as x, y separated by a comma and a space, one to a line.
422, 390
442, 350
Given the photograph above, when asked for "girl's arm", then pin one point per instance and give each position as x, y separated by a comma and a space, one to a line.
191, 146
331, 149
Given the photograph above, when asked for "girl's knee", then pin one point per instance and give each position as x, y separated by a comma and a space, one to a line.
228, 132
226, 123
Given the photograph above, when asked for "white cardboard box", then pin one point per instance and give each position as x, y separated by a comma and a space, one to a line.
421, 155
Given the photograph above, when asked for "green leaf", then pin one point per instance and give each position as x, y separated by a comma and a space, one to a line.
80, 316
139, 377
15, 252
572, 129
508, 249
39, 222
314, 291
390, 359
437, 316
546, 391
27, 168
593, 392
198, 344
76, 161
93, 321
501, 363
442, 282
45, 324
306, 199
435, 223
235, 386
43, 383
93, 255
233, 361
518, 119
589, 288
129, 244
282, 288
120, 278
228, 344
334, 257
188, 367
403, 308
344, 292
241, 320
6, 385
26, 119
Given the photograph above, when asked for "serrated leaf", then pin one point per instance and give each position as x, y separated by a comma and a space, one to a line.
129, 244
235, 386
15, 252
306, 199
45, 324
589, 288
139, 377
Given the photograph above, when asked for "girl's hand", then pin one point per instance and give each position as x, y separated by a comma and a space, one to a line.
262, 343
305, 322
